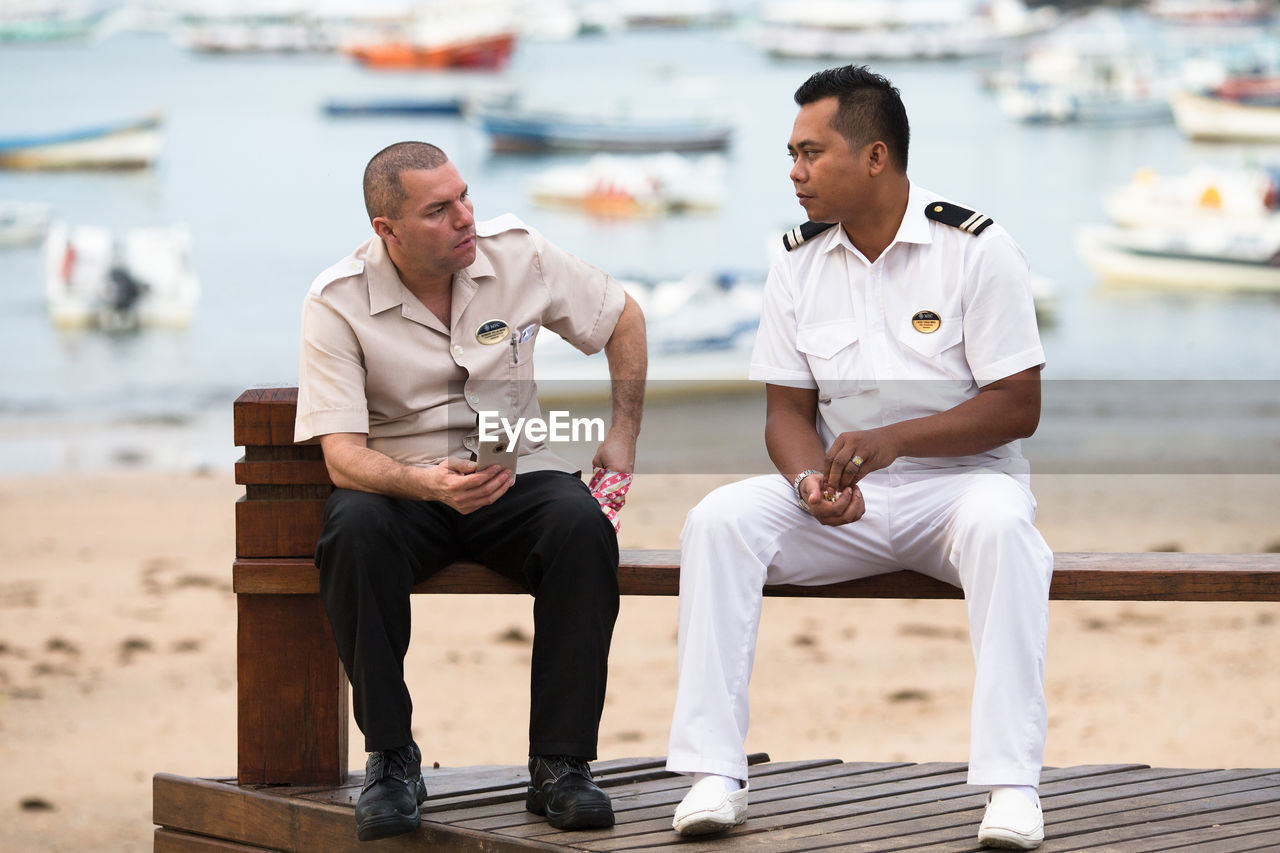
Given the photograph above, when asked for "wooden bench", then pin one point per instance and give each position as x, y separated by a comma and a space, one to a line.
292, 699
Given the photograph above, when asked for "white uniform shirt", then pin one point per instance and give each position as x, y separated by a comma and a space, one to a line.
834, 322
376, 361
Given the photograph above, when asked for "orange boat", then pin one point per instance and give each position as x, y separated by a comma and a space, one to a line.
489, 51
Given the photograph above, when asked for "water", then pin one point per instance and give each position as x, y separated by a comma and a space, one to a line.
270, 189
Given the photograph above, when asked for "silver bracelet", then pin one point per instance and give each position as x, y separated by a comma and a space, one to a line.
795, 486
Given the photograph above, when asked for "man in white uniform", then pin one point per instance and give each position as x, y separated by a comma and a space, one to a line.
902, 364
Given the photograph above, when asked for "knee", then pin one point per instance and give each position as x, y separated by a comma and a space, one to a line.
714, 514
353, 522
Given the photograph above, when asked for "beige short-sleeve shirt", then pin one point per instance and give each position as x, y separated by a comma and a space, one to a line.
376, 361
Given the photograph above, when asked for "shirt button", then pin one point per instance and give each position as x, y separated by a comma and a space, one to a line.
473, 398
469, 443
457, 352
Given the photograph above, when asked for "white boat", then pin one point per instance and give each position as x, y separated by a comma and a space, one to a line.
1198, 259
910, 29
142, 279
611, 186
699, 328
1216, 119
127, 144
22, 223
1103, 68
1204, 196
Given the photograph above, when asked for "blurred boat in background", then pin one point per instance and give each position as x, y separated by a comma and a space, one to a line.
1106, 67
22, 223
1205, 259
1206, 195
1199, 13
122, 145
443, 34
909, 29
1212, 228
610, 186
142, 279
513, 126
443, 105
1214, 117
49, 20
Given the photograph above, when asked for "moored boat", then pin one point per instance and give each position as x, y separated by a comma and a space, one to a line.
443, 105
123, 145
1215, 118
1204, 259
512, 127
22, 223
478, 51
94, 279
610, 186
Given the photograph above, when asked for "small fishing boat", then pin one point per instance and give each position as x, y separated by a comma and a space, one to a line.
443, 105
22, 223
512, 127
1204, 196
489, 51
1204, 259
142, 279
1213, 117
611, 186
122, 145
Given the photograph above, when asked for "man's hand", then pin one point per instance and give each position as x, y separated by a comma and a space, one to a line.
853, 455
616, 453
847, 508
456, 483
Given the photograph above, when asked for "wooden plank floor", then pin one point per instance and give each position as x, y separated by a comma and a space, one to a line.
795, 806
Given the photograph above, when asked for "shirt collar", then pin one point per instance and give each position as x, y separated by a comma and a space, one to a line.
385, 288
914, 227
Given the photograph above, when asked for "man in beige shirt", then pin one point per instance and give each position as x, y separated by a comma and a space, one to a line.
405, 344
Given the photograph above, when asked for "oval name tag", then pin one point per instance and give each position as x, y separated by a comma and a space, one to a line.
925, 322
492, 332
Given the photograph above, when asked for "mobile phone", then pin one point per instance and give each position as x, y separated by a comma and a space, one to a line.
500, 453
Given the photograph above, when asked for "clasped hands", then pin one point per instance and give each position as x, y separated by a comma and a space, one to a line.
833, 497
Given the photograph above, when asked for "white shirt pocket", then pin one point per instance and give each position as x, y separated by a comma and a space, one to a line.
930, 345
834, 357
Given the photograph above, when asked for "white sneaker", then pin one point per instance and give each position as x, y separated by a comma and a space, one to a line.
1011, 821
709, 808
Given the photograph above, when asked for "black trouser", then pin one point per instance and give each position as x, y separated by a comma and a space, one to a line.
547, 533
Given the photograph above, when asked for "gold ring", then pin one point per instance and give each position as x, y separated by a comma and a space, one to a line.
857, 460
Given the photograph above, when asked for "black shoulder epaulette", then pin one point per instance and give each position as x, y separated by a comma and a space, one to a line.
957, 216
797, 236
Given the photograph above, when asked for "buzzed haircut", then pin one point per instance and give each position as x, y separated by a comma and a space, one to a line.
870, 108
384, 194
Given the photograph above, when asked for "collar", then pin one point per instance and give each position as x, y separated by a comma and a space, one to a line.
914, 228
386, 290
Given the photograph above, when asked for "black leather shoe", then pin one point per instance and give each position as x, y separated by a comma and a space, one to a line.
560, 787
393, 789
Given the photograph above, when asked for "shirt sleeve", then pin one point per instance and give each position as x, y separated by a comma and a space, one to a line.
584, 303
1000, 333
331, 384
775, 359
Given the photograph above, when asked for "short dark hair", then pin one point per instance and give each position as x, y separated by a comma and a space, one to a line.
870, 108
384, 193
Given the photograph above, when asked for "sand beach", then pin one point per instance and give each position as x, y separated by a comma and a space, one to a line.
117, 650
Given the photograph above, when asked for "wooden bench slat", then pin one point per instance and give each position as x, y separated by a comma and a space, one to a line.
1156, 576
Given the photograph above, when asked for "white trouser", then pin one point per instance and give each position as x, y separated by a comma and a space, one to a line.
968, 527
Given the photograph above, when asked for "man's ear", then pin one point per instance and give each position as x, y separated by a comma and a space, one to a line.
877, 158
382, 227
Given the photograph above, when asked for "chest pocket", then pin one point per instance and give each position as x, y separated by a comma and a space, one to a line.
950, 332
835, 357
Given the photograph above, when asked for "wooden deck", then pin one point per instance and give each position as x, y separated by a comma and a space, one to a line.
805, 805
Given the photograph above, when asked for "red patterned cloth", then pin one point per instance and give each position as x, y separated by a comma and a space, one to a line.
610, 489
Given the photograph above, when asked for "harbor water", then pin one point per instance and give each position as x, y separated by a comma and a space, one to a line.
269, 187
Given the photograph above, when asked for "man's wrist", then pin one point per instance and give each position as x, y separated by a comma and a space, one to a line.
795, 486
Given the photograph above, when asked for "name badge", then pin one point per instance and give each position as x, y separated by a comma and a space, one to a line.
925, 322
492, 332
